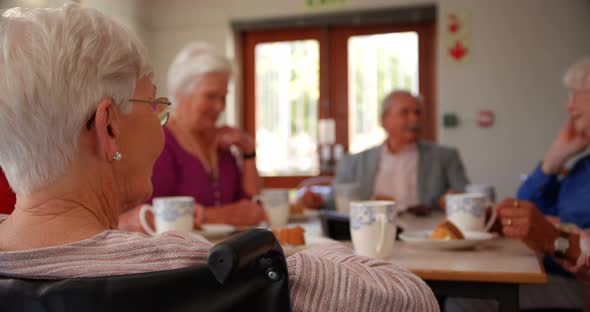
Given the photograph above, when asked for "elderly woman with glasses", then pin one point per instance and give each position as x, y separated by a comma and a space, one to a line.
552, 209
197, 160
80, 131
550, 186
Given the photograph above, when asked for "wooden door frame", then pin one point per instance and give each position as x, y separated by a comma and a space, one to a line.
334, 69
250, 40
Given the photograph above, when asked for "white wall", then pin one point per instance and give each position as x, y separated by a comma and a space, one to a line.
520, 52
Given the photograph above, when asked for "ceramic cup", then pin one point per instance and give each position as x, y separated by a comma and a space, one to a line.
488, 190
344, 193
373, 228
468, 211
276, 206
174, 213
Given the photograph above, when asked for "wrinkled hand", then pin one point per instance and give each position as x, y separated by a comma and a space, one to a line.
442, 201
246, 212
129, 220
420, 210
228, 136
523, 220
311, 200
568, 143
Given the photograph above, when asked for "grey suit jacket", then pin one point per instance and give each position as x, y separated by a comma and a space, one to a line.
439, 169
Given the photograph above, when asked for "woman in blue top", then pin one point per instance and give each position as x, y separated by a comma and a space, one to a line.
565, 196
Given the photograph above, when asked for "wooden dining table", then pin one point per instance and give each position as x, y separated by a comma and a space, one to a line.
492, 270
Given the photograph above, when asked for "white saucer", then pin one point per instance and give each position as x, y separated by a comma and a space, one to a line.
215, 230
422, 239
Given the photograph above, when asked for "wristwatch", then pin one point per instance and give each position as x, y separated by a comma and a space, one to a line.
561, 244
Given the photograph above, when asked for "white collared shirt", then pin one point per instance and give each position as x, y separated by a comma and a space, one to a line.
397, 176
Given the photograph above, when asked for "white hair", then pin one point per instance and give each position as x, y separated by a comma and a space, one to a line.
387, 100
578, 75
56, 65
193, 62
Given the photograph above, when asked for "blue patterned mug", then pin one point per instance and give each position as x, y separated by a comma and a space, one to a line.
373, 228
175, 213
468, 211
488, 190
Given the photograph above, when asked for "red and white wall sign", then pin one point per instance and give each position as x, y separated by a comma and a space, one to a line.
457, 36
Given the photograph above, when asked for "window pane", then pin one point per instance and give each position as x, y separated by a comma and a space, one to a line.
287, 95
377, 64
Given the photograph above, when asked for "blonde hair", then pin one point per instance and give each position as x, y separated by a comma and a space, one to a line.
57, 64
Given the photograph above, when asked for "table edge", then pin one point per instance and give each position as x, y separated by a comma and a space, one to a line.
490, 277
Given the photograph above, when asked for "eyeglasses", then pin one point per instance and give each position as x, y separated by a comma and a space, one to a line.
160, 107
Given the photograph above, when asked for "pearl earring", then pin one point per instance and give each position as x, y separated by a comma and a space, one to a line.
118, 156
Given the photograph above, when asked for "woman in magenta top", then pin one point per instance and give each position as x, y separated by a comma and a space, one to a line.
178, 172
197, 160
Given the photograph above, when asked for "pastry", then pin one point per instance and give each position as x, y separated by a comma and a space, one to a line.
290, 236
446, 230
296, 236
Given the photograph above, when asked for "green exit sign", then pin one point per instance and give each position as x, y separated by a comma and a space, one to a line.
321, 3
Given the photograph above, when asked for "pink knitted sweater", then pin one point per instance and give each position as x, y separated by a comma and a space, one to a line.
324, 278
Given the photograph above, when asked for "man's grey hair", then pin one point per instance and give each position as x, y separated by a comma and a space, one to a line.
578, 75
57, 64
194, 61
387, 100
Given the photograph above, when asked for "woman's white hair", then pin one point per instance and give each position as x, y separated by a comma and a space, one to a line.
193, 62
56, 65
578, 75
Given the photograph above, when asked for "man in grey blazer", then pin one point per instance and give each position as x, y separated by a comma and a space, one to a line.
416, 173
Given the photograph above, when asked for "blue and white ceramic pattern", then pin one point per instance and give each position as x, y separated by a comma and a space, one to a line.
174, 213
488, 190
373, 228
468, 211
473, 205
171, 213
364, 214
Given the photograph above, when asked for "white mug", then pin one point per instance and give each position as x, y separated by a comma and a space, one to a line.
468, 211
344, 193
488, 190
373, 228
276, 206
174, 213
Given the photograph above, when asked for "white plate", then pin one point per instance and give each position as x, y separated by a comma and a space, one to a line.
215, 230
422, 239
310, 241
